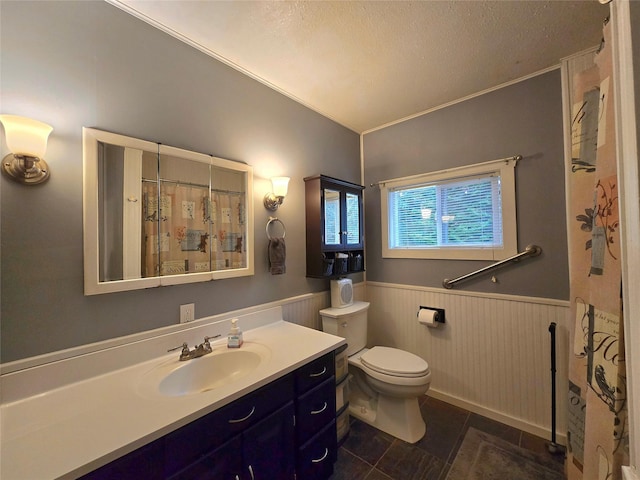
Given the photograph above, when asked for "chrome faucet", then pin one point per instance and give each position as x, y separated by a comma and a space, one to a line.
202, 349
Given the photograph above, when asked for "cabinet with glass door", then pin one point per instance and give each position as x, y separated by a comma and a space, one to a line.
335, 227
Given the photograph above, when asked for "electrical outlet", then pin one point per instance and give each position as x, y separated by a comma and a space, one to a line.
187, 312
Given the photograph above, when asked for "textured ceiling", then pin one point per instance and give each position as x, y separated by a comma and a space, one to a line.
368, 63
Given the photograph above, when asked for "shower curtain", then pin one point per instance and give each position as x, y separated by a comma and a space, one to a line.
187, 229
598, 440
177, 232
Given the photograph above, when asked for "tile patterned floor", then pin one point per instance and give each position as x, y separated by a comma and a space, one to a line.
369, 454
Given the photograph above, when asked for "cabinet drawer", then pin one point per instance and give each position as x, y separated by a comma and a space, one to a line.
317, 456
256, 405
315, 409
315, 372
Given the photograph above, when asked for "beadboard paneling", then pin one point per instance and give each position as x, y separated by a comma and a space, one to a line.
492, 355
305, 310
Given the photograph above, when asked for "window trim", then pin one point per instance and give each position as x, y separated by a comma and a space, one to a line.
503, 167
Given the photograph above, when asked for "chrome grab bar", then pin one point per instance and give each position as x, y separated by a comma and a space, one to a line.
529, 251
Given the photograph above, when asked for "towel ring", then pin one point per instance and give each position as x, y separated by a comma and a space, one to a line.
272, 220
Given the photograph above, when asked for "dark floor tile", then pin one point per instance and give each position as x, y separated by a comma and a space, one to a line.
445, 424
376, 474
349, 467
445, 471
367, 442
404, 461
493, 427
369, 454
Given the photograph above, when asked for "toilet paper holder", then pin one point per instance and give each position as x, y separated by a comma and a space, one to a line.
439, 318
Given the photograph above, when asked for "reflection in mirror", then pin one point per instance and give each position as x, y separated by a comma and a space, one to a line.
331, 217
157, 215
353, 219
119, 209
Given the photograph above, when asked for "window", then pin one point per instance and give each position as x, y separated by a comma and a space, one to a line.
462, 213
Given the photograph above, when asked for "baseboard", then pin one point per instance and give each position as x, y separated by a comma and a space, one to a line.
537, 430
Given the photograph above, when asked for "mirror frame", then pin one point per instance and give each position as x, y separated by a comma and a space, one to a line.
91, 228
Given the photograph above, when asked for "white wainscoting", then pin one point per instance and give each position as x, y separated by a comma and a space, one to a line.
305, 310
492, 356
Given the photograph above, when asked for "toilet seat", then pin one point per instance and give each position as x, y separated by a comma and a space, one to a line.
394, 362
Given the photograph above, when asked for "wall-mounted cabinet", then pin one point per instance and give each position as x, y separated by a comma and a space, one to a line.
335, 227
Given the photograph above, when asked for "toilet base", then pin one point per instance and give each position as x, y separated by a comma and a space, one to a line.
399, 417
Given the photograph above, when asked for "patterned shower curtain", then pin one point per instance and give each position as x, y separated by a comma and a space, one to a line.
598, 440
188, 230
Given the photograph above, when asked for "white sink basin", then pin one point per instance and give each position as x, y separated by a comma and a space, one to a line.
223, 366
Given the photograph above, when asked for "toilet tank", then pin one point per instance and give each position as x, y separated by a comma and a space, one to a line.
349, 323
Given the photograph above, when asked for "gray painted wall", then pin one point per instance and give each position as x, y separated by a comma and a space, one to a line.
75, 64
524, 118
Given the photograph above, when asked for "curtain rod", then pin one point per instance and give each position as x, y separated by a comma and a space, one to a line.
514, 158
189, 184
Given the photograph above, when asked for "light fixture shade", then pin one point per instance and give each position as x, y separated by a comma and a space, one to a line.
280, 186
25, 136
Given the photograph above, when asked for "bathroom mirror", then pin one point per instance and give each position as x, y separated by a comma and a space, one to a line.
158, 215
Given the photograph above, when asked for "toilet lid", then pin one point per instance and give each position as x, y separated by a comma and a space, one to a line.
392, 361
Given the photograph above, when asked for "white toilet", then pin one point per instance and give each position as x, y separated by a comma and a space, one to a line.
386, 381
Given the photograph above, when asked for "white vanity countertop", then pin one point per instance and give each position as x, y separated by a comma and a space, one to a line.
69, 431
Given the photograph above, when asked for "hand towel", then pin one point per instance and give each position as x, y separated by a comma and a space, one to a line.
277, 256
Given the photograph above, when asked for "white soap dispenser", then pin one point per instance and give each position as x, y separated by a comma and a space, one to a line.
234, 339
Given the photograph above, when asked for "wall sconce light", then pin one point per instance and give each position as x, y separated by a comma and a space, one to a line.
27, 141
273, 200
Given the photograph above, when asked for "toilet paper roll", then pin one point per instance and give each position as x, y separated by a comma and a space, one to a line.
428, 317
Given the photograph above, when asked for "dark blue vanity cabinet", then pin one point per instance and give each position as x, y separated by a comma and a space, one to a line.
284, 430
315, 419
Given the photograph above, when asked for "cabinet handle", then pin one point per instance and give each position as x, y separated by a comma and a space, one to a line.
318, 460
324, 370
253, 409
251, 472
315, 412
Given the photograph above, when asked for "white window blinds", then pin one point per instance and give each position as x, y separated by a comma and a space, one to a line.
462, 213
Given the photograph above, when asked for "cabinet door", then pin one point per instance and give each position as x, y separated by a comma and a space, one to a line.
224, 463
332, 216
352, 218
341, 217
145, 462
316, 458
268, 447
